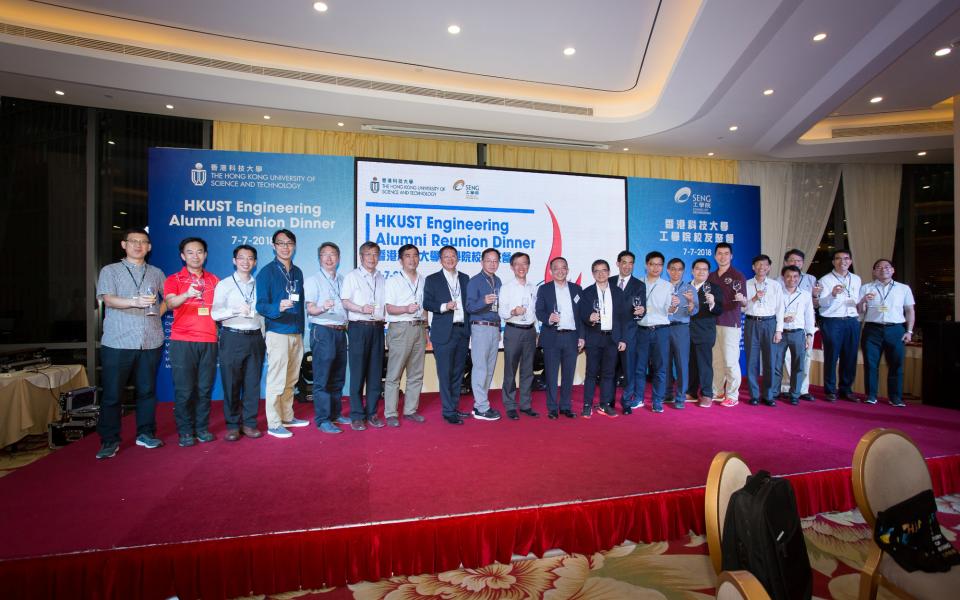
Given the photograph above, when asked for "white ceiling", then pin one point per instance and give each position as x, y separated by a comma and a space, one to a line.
664, 77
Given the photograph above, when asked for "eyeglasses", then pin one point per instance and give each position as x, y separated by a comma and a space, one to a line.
285, 244
137, 242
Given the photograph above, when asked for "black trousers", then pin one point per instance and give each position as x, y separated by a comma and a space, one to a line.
241, 366
602, 361
366, 369
194, 366
451, 357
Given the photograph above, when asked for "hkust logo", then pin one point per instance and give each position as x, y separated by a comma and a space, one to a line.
700, 204
470, 192
682, 195
198, 175
374, 185
458, 185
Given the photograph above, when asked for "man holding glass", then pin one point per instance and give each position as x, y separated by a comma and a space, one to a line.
519, 337
241, 345
406, 338
561, 336
131, 343
726, 352
363, 297
483, 292
193, 342
603, 312
280, 301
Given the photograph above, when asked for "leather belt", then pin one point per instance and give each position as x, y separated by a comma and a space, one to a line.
460, 324
792, 330
415, 322
242, 331
487, 323
530, 326
652, 327
884, 325
753, 318
332, 326
566, 330
672, 323
377, 323
602, 332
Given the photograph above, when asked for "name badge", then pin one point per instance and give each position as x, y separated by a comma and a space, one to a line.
576, 298
203, 311
883, 308
850, 302
294, 297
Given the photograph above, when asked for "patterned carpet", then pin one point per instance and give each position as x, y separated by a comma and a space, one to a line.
679, 570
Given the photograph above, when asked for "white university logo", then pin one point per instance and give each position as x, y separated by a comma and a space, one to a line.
198, 175
682, 195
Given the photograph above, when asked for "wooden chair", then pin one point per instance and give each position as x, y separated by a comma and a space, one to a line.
888, 468
728, 473
740, 585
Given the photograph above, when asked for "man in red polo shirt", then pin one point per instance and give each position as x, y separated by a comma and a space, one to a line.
193, 342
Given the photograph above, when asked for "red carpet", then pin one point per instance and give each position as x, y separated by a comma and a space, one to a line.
171, 509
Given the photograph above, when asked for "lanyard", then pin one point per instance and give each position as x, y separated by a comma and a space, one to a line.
372, 288
330, 283
290, 278
794, 298
883, 297
413, 290
603, 300
845, 282
247, 299
492, 282
142, 277
454, 291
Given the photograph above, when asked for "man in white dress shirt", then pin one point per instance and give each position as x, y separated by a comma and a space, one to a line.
762, 329
798, 329
406, 338
363, 297
840, 291
517, 299
889, 315
241, 345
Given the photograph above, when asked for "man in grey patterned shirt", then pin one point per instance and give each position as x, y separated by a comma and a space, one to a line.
132, 341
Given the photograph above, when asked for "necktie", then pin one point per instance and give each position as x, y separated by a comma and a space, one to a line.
623, 283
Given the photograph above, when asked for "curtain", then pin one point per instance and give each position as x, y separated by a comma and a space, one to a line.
612, 163
796, 200
267, 138
871, 200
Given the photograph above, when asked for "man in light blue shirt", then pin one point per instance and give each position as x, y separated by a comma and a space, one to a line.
653, 337
678, 365
328, 339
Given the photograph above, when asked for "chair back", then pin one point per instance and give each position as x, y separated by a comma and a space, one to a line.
728, 473
740, 585
887, 468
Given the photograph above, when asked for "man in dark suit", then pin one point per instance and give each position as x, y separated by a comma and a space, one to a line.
703, 334
635, 297
561, 335
603, 312
443, 295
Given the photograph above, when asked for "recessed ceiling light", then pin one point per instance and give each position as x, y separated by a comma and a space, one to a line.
709, 153
116, 227
876, 99
733, 128
320, 6
926, 187
59, 92
626, 149
454, 29
123, 212
922, 153
267, 117
569, 51
819, 37
768, 92
340, 124
169, 107
933, 231
926, 222
943, 52
112, 143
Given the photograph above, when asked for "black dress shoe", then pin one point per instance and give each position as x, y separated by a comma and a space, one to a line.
806, 397
754, 402
568, 413
512, 415
830, 397
530, 412
770, 402
552, 415
453, 420
627, 410
464, 415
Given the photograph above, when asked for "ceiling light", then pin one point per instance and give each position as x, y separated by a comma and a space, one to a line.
926, 187
626, 149
733, 128
123, 212
933, 231
59, 92
169, 107
922, 153
116, 227
454, 29
111, 142
942, 52
569, 51
340, 124
709, 153
819, 37
320, 6
266, 117
876, 99
768, 92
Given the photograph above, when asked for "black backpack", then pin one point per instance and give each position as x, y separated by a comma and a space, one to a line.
762, 534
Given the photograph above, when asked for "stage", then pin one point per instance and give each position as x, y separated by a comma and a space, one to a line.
268, 515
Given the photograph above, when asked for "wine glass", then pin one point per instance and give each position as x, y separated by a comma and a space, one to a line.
152, 309
556, 311
637, 303
706, 288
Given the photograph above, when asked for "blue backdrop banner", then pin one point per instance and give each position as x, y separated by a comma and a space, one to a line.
233, 198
